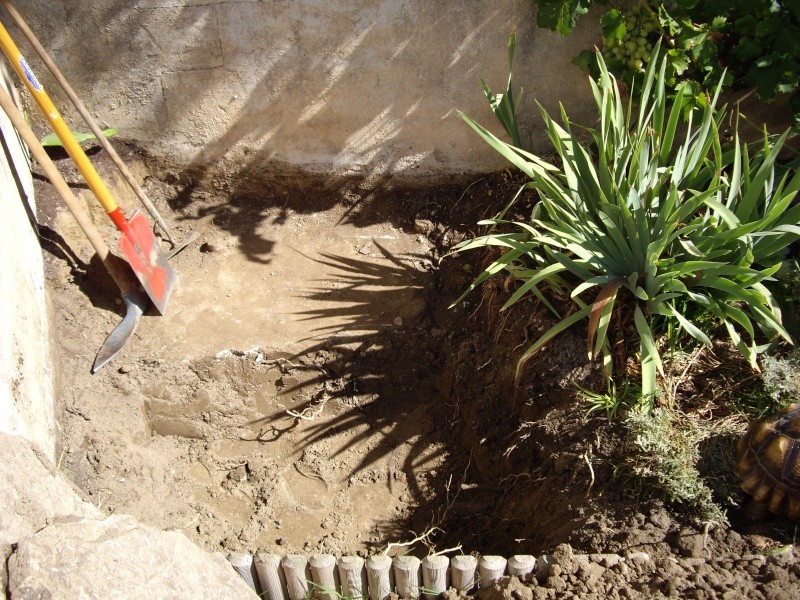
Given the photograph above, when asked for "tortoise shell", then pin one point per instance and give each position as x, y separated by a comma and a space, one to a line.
769, 462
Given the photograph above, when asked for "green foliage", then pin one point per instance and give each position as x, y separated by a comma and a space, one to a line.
752, 43
664, 225
503, 105
781, 377
51, 139
613, 400
779, 385
664, 459
561, 15
787, 291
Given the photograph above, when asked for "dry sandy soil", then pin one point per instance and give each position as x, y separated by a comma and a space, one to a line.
309, 390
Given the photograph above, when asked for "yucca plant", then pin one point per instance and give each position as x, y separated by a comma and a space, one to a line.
504, 105
653, 216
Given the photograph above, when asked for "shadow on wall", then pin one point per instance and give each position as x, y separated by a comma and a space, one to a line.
311, 110
273, 102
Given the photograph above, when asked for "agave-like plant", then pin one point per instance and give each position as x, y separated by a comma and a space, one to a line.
652, 208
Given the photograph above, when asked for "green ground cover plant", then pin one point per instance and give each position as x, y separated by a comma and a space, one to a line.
647, 221
664, 459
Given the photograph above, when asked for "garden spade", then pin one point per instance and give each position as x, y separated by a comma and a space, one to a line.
177, 246
135, 299
137, 243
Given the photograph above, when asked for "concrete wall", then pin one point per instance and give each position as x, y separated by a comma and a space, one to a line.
342, 87
26, 374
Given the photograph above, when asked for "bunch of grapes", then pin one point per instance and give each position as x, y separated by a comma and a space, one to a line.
632, 49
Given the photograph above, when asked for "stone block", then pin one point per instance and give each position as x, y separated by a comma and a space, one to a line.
32, 492
118, 558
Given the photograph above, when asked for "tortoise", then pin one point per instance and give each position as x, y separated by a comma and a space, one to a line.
769, 462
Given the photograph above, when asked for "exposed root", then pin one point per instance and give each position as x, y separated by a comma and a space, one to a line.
423, 537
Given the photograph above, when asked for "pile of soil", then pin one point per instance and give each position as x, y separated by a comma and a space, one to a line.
310, 389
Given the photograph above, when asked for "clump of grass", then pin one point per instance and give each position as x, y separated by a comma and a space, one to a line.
664, 460
718, 456
614, 399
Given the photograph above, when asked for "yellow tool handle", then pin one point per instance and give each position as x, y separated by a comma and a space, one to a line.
61, 129
117, 268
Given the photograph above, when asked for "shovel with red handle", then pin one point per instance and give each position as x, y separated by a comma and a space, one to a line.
137, 243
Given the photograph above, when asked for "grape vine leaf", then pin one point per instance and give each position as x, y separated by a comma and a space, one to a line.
613, 25
560, 15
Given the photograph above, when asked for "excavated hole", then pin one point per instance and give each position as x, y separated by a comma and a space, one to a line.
310, 390
284, 451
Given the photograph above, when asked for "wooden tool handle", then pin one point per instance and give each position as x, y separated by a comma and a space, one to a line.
82, 162
117, 268
101, 139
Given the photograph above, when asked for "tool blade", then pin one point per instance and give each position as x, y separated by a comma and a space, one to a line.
135, 305
148, 261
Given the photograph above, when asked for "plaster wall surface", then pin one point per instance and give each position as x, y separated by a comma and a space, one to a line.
26, 374
368, 88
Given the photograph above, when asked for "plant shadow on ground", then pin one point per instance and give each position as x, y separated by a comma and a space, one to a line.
438, 387
380, 364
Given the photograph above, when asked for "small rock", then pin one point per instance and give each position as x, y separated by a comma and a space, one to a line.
638, 558
660, 518
561, 463
206, 247
125, 369
423, 226
690, 543
563, 557
590, 572
605, 560
556, 583
398, 321
733, 538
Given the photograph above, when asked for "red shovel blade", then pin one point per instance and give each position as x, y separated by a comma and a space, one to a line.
140, 248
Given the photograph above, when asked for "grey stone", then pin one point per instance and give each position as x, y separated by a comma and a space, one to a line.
118, 558
32, 492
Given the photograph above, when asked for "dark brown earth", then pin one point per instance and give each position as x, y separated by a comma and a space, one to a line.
310, 390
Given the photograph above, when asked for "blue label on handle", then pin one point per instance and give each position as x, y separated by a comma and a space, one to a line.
29, 74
